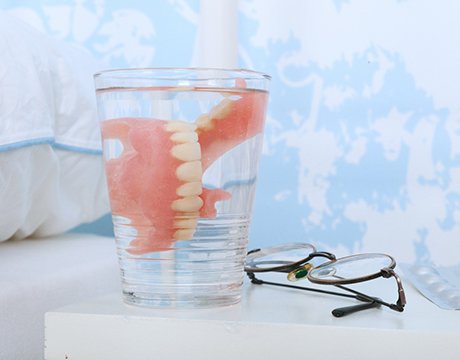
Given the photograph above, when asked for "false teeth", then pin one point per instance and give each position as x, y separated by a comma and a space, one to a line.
189, 189
189, 151
179, 126
189, 171
220, 111
189, 203
184, 234
185, 223
184, 137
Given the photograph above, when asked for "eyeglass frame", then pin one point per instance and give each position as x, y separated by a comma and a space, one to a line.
369, 301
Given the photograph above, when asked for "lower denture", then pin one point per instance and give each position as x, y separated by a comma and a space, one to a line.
162, 205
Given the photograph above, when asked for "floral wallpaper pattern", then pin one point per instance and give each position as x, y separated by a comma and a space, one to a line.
362, 145
123, 34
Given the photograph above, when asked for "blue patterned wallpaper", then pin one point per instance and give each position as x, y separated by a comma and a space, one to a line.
121, 33
362, 146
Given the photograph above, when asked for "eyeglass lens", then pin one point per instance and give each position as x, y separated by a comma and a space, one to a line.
351, 268
265, 259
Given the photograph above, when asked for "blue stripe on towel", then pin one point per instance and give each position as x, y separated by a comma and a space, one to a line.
25, 143
49, 141
77, 149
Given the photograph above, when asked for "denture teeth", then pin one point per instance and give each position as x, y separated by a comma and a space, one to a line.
204, 121
183, 234
187, 151
180, 126
222, 109
185, 223
189, 203
189, 189
187, 215
184, 137
189, 171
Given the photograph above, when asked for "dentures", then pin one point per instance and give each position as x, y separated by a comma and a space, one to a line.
156, 182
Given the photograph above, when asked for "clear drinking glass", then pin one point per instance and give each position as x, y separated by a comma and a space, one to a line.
181, 149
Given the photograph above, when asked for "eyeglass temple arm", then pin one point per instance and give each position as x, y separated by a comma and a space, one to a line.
340, 312
258, 281
369, 302
401, 302
386, 273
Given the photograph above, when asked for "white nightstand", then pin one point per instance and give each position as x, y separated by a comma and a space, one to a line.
269, 323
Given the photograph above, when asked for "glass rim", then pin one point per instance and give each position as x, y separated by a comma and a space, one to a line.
118, 73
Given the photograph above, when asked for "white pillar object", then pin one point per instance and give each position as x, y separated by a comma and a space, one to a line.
217, 34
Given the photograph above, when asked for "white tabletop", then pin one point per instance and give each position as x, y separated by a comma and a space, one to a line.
269, 323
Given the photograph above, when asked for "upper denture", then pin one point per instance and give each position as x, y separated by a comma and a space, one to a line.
156, 182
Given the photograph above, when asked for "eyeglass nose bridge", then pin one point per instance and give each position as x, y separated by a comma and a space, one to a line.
300, 272
324, 254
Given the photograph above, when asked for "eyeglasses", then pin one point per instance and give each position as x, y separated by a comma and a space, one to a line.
296, 260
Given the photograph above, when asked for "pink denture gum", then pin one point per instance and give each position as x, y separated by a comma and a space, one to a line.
156, 182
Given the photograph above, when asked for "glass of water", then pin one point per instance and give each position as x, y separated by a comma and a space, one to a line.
181, 151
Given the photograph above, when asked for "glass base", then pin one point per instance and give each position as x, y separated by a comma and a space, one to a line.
180, 301
206, 271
